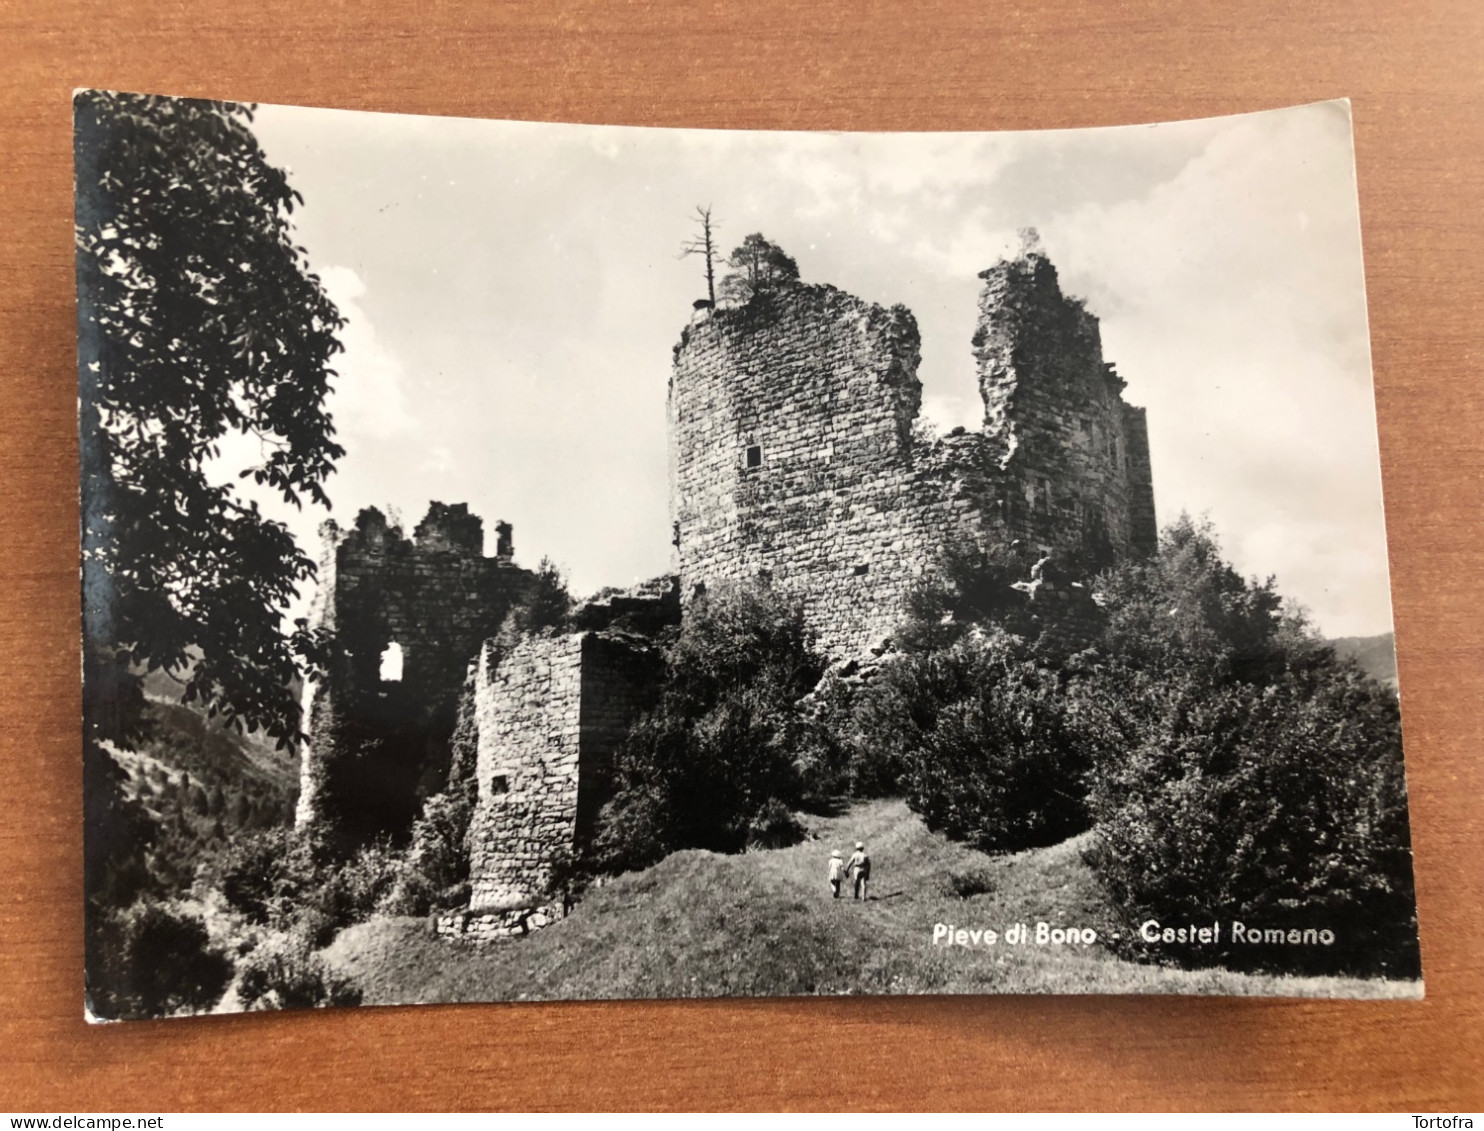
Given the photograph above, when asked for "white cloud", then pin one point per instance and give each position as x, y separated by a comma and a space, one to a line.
368, 398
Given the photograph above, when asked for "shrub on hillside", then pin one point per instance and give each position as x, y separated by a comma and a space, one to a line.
998, 758
152, 959
1243, 772
285, 972
969, 883
280, 878
633, 830
774, 826
433, 872
1279, 806
725, 738
347, 893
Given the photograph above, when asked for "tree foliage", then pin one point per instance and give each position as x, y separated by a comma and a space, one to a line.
726, 738
1185, 606
984, 741
756, 268
198, 320
286, 880
1280, 805
547, 603
1243, 771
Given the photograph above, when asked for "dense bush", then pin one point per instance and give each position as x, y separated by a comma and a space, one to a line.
348, 893
262, 875
433, 873
969, 586
968, 883
726, 738
774, 826
285, 972
633, 829
1243, 771
893, 715
281, 879
1280, 806
152, 959
992, 752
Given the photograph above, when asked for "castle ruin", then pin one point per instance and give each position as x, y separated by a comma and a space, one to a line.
795, 461
794, 456
379, 746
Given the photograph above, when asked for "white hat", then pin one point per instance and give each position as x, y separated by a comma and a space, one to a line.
858, 844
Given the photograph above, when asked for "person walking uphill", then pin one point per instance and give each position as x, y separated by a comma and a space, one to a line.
859, 868
837, 873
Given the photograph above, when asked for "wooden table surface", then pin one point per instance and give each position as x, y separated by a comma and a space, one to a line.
1415, 71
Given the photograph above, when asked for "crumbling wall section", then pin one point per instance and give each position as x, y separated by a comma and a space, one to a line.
378, 747
528, 708
1143, 528
793, 460
1054, 418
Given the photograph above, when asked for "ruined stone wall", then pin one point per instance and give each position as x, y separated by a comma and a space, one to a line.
551, 712
793, 457
528, 709
1054, 417
378, 748
1143, 527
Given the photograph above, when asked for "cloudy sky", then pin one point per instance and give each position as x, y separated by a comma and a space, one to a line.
513, 292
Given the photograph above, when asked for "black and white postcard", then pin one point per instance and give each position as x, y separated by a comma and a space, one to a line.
537, 561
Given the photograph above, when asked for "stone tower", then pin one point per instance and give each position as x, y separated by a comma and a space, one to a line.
793, 455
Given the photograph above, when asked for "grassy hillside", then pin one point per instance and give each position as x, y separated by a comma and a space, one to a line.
702, 925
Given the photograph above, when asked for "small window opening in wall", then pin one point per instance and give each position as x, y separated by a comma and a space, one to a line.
862, 570
391, 663
500, 783
754, 455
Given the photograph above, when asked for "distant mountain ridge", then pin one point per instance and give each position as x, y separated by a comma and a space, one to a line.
1376, 655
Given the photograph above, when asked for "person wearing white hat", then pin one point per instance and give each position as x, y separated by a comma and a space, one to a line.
837, 872
859, 868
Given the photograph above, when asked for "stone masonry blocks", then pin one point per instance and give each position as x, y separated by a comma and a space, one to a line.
793, 456
551, 712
